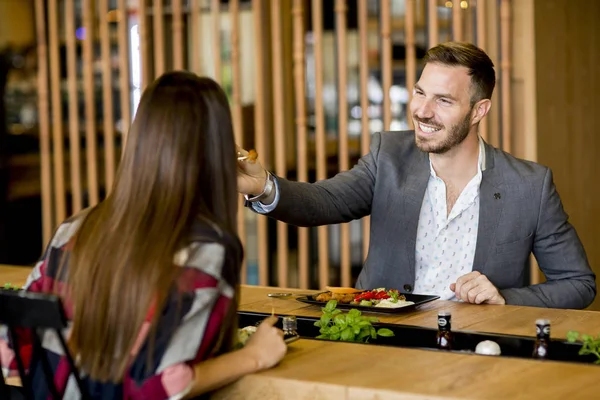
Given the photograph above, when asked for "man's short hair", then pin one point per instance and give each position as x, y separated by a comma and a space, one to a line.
479, 64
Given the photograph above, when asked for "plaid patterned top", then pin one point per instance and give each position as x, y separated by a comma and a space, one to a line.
188, 328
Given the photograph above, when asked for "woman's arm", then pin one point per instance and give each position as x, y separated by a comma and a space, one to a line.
264, 349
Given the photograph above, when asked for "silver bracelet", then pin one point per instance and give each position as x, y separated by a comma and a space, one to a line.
268, 189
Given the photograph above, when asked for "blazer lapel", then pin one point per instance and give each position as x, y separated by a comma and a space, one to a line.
491, 205
416, 184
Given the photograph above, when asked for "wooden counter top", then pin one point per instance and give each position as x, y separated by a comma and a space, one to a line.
315, 369
510, 320
13, 274
323, 370
331, 370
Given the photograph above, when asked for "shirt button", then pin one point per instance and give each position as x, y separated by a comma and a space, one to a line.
407, 288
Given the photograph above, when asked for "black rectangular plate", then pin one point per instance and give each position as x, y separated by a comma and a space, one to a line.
418, 299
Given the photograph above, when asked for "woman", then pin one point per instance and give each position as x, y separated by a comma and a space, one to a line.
149, 276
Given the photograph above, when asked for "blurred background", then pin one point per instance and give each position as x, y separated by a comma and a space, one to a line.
308, 81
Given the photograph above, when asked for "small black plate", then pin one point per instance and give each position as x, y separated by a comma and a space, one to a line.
418, 299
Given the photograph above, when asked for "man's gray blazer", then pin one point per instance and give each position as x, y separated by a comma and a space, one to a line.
520, 213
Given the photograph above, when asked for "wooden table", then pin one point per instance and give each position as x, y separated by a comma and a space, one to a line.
15, 275
315, 369
322, 370
511, 320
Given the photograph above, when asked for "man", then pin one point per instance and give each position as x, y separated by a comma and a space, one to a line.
450, 214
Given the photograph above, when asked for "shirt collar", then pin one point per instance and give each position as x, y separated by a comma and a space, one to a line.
480, 160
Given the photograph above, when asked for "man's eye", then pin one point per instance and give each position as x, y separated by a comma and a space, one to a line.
445, 101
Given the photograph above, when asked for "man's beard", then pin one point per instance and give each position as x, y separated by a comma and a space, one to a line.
455, 135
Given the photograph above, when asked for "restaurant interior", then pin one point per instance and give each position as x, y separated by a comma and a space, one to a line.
309, 82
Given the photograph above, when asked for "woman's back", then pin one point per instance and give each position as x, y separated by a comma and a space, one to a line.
188, 326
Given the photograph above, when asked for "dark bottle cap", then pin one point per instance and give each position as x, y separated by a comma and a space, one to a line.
444, 320
542, 327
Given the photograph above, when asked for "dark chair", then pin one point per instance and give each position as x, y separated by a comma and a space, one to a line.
39, 312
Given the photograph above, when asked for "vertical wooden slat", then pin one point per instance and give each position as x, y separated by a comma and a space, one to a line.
301, 137
158, 30
124, 74
342, 50
216, 37
386, 61
195, 42
178, 41
457, 29
481, 43
146, 76
505, 73
279, 125
320, 138
44, 118
74, 142
57, 125
107, 96
238, 124
411, 51
365, 135
432, 23
260, 132
90, 108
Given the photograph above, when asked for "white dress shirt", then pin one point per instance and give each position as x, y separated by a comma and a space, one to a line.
446, 243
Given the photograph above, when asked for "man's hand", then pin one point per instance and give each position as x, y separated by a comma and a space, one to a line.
476, 288
251, 177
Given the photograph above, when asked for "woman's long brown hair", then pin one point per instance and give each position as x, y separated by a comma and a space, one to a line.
179, 163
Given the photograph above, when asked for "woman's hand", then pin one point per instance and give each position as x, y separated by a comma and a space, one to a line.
266, 345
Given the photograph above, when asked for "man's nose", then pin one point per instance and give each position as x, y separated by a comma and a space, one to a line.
424, 109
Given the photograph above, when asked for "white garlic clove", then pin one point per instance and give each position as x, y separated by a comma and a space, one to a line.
488, 348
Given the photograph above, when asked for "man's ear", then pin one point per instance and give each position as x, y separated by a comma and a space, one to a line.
480, 110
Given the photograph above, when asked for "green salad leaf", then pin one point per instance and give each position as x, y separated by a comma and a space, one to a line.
350, 327
591, 345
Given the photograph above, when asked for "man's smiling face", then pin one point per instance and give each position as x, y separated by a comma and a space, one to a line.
441, 107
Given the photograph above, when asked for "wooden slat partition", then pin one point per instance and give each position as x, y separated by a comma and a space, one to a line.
234, 10
480, 16
195, 61
279, 135
124, 75
74, 138
505, 73
57, 125
386, 61
343, 156
144, 43
365, 134
90, 107
271, 55
260, 128
457, 24
107, 97
301, 136
432, 23
320, 139
411, 52
178, 41
44, 120
215, 10
158, 30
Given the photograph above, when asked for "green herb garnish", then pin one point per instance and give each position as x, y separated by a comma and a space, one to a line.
591, 345
394, 294
10, 286
350, 327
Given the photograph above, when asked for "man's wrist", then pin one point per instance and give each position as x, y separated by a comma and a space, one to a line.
266, 192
